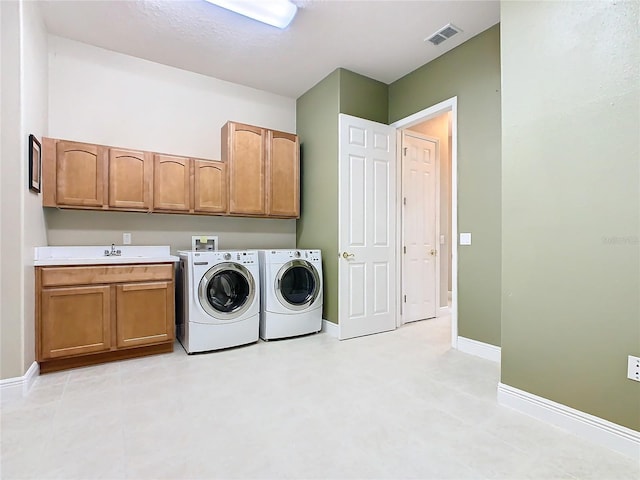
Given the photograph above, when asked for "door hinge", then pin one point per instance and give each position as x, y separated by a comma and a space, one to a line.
405, 299
405, 151
404, 201
404, 249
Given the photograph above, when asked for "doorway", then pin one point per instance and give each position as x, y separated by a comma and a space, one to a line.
420, 224
438, 122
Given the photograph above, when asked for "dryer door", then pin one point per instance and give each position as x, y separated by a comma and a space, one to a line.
297, 284
227, 291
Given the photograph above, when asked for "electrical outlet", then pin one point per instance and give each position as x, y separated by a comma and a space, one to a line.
126, 239
633, 369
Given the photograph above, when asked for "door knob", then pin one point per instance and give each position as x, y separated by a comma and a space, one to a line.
433, 251
347, 256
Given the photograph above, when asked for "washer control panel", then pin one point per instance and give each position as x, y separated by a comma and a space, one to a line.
244, 257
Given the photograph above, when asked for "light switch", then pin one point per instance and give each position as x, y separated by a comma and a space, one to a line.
465, 239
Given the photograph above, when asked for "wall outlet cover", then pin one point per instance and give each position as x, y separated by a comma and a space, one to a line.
465, 239
633, 368
126, 239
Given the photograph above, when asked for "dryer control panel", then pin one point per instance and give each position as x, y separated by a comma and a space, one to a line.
276, 256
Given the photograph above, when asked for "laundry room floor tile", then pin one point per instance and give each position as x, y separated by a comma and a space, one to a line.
401, 404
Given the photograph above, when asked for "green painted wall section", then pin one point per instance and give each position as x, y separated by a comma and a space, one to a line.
317, 112
472, 73
571, 203
317, 127
363, 97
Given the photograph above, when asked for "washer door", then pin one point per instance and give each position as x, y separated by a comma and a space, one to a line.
297, 284
226, 291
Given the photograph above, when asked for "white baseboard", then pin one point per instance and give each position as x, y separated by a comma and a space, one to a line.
444, 311
330, 328
479, 349
15, 388
592, 428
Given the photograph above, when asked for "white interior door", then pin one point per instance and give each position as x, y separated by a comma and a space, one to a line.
420, 220
367, 223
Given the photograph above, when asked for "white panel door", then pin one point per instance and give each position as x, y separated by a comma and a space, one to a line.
367, 263
419, 233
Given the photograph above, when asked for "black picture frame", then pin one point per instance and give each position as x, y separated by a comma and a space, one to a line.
35, 164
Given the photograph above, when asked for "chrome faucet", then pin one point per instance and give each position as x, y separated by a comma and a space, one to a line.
113, 252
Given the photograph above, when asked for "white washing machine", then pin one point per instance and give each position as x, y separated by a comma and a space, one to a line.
219, 299
291, 291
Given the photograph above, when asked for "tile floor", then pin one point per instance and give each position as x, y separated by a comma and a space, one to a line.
395, 405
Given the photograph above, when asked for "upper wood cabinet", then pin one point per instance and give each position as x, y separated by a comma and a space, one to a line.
283, 174
264, 170
172, 183
259, 176
189, 185
130, 174
210, 189
78, 175
83, 175
244, 152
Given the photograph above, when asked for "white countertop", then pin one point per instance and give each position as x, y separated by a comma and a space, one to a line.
94, 255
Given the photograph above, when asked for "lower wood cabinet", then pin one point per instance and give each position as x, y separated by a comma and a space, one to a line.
144, 313
77, 320
92, 314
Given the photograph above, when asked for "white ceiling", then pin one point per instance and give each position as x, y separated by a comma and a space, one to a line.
380, 39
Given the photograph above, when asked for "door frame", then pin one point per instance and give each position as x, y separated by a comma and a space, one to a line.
449, 105
436, 168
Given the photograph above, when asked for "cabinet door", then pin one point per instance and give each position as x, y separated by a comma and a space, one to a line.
245, 154
75, 320
80, 174
171, 183
129, 179
210, 191
283, 174
145, 313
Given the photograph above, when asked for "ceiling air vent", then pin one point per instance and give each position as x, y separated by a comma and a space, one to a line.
443, 34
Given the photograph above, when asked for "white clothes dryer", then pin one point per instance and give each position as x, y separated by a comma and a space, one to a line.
291, 293
219, 299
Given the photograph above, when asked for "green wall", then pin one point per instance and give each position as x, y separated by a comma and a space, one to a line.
363, 97
571, 203
472, 73
317, 127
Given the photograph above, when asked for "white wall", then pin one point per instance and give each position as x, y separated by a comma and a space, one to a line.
34, 121
99, 96
24, 103
10, 181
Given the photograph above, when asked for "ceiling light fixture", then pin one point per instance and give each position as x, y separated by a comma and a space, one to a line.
278, 13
